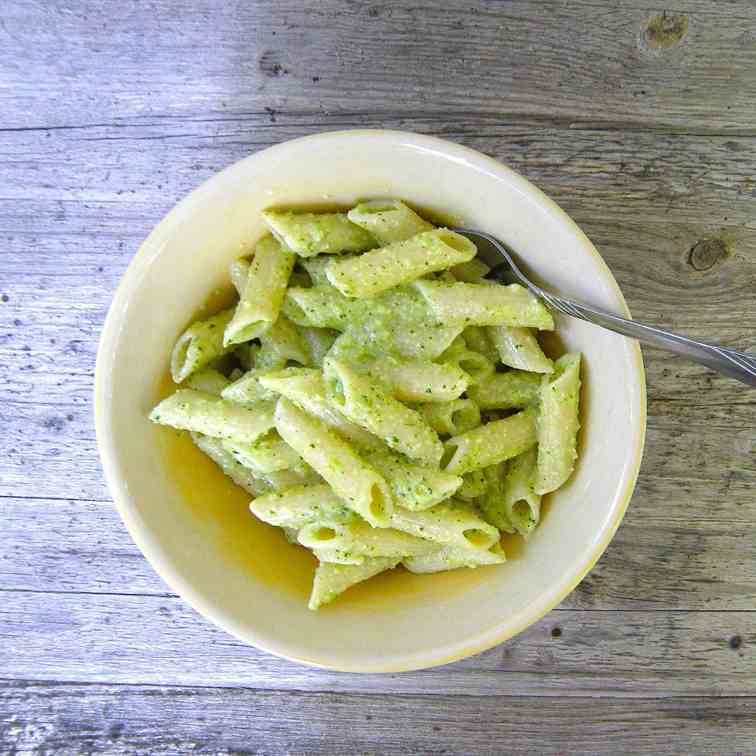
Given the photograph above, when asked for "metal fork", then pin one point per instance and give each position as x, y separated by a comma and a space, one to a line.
504, 269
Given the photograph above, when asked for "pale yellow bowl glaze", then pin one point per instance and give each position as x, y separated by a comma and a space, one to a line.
194, 527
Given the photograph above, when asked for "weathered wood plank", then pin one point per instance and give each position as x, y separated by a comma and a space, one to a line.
682, 546
59, 545
49, 451
639, 123
148, 640
606, 173
581, 61
72, 719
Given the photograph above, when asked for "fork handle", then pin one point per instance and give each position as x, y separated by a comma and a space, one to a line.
730, 362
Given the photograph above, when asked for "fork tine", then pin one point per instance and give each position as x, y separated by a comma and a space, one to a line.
502, 274
486, 249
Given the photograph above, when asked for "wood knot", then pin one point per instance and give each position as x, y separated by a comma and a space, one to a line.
705, 254
664, 31
736, 642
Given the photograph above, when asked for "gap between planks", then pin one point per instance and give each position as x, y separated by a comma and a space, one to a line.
7, 683
101, 639
72, 719
262, 119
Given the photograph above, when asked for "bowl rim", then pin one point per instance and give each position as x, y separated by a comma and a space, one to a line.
149, 546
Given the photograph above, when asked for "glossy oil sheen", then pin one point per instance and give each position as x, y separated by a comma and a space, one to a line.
262, 551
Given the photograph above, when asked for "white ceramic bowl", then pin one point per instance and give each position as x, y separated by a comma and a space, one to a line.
194, 527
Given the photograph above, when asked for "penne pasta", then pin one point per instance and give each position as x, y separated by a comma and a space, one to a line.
398, 263
388, 221
366, 403
558, 424
491, 443
359, 340
352, 480
267, 276
518, 348
485, 305
309, 234
201, 344
210, 415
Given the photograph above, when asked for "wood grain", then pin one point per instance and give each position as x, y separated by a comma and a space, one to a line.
638, 121
73, 719
102, 638
598, 172
583, 61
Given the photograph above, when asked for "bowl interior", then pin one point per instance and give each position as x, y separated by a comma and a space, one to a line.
194, 526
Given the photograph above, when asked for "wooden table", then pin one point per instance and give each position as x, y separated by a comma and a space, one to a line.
643, 127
